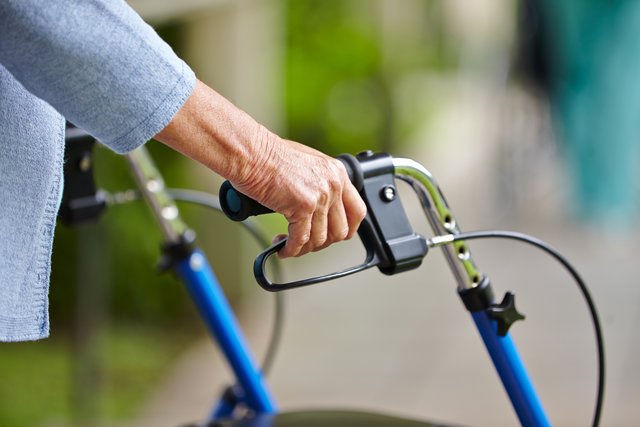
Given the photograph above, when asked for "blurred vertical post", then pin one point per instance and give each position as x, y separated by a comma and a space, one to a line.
400, 31
92, 281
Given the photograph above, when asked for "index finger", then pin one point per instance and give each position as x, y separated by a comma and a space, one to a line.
299, 234
354, 208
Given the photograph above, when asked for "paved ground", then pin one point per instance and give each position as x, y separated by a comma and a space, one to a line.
404, 344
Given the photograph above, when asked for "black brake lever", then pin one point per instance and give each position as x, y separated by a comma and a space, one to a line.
260, 263
388, 238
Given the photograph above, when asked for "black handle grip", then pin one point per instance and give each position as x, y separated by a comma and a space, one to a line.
237, 206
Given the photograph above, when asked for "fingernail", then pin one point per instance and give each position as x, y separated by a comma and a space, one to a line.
279, 238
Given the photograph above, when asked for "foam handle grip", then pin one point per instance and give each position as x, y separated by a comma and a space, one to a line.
237, 206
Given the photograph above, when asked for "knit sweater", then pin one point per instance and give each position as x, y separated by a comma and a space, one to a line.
97, 64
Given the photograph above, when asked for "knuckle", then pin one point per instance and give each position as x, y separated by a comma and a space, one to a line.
344, 233
305, 206
361, 211
302, 238
340, 234
320, 239
335, 182
323, 196
336, 173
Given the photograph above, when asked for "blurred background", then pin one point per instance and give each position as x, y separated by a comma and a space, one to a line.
525, 112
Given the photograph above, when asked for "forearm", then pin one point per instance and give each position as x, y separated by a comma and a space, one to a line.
214, 132
309, 188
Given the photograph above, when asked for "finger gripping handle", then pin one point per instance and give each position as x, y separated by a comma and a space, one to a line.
237, 206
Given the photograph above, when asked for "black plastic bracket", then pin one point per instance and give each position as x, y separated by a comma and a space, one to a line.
81, 201
478, 298
386, 229
389, 240
174, 252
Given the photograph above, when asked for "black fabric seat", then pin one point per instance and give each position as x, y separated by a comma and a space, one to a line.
326, 418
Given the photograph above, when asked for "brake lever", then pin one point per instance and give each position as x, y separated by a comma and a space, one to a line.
388, 238
260, 263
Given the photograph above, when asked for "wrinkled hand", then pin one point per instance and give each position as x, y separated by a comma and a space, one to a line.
310, 189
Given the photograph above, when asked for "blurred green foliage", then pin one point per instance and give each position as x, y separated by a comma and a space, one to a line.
39, 390
342, 84
325, 49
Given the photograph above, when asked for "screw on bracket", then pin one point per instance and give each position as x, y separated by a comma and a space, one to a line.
388, 193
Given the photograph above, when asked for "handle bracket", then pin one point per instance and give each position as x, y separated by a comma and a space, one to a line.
389, 240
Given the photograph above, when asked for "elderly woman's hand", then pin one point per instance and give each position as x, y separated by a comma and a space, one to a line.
310, 189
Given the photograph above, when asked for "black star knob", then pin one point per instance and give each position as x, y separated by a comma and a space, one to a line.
505, 313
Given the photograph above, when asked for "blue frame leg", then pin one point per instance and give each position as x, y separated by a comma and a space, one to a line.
219, 318
512, 372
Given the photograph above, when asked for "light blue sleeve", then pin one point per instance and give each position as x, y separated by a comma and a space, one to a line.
99, 65
31, 157
96, 62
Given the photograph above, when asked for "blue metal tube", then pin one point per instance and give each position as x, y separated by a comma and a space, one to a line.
512, 373
219, 318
